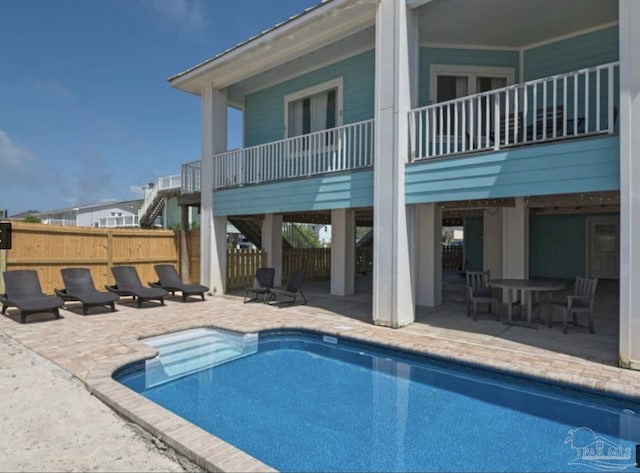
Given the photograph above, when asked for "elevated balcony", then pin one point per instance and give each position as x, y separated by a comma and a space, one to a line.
568, 106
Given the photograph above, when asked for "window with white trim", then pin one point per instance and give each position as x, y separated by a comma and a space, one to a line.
314, 109
450, 82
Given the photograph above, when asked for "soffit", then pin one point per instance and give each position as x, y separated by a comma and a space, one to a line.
510, 23
311, 31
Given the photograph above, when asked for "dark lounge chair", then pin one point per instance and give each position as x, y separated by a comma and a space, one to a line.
128, 284
78, 286
262, 285
24, 292
290, 294
169, 280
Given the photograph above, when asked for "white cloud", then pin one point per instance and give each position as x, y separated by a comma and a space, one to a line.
186, 14
13, 155
137, 191
52, 87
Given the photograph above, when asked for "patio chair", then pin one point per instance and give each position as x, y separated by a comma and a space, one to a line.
262, 285
128, 284
580, 301
79, 286
169, 280
290, 294
24, 292
479, 292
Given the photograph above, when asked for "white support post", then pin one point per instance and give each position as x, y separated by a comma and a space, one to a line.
428, 227
515, 239
629, 119
492, 249
343, 252
272, 244
395, 69
213, 230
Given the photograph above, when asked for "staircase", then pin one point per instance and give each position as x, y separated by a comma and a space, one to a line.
156, 198
249, 228
292, 236
295, 237
366, 241
189, 351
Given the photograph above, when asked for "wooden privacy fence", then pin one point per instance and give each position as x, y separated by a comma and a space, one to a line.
243, 263
48, 249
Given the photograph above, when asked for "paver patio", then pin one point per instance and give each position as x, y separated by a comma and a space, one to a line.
92, 347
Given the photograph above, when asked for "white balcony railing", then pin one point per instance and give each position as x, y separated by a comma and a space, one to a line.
338, 149
65, 222
169, 182
118, 222
565, 106
191, 177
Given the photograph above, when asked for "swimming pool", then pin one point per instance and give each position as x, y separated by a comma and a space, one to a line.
300, 401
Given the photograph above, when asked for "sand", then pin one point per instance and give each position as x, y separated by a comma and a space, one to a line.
50, 422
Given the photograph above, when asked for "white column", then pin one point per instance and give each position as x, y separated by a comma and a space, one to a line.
515, 239
428, 224
272, 244
343, 252
396, 66
213, 230
629, 11
492, 250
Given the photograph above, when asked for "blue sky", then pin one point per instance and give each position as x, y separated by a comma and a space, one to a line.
86, 112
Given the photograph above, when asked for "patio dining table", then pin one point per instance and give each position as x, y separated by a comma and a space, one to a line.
527, 288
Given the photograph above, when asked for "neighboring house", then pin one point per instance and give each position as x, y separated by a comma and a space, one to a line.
514, 117
323, 232
102, 215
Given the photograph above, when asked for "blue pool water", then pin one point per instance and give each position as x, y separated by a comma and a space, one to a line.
303, 402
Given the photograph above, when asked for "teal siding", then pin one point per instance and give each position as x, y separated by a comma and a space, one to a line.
331, 191
583, 165
557, 246
593, 49
264, 110
573, 54
473, 243
461, 57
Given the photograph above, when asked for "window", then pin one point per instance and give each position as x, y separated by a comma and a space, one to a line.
452, 82
314, 113
314, 109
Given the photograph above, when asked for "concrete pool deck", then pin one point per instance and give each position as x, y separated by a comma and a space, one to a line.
90, 348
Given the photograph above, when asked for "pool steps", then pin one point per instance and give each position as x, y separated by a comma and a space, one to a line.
190, 351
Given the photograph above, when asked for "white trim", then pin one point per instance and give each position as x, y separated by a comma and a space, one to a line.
555, 39
469, 46
590, 223
571, 35
471, 72
313, 90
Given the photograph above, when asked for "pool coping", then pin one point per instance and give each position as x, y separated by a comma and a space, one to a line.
213, 454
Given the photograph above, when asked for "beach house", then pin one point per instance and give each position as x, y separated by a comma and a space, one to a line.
513, 118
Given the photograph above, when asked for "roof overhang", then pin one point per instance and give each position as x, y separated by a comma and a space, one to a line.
341, 28
313, 29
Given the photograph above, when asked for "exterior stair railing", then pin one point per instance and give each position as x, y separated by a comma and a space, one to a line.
156, 198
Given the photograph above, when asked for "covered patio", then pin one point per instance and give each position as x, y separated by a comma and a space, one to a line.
449, 320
